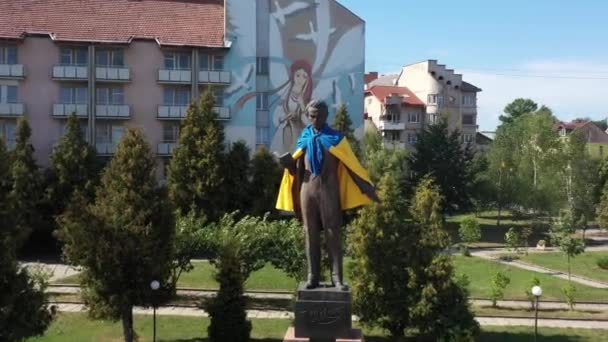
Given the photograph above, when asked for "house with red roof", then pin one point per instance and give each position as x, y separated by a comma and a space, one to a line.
595, 138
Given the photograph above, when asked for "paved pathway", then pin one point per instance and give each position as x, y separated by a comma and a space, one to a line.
493, 253
56, 271
257, 314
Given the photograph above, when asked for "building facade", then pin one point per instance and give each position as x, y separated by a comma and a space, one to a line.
124, 63
441, 92
595, 139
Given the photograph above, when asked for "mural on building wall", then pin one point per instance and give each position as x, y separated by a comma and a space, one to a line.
315, 49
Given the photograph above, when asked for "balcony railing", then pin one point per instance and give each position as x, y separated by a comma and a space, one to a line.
65, 109
174, 76
70, 72
217, 77
179, 112
391, 126
166, 148
112, 74
113, 111
12, 71
11, 109
105, 148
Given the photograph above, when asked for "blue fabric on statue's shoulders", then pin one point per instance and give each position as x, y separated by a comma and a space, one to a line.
314, 143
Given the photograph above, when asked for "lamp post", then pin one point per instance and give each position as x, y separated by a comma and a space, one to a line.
154, 285
537, 292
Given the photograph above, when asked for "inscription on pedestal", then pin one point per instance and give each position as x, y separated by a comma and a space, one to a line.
323, 313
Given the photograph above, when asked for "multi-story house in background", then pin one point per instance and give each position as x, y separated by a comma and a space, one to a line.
124, 63
441, 92
594, 137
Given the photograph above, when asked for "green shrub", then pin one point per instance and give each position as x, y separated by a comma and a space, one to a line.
499, 283
569, 292
603, 262
535, 282
469, 232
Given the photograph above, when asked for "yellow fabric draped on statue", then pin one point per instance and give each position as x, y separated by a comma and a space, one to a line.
350, 194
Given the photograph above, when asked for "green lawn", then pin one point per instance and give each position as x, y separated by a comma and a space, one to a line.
480, 273
583, 265
76, 327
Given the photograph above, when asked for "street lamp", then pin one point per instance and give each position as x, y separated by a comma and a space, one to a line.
154, 285
537, 292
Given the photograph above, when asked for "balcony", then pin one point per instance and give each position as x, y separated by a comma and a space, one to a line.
65, 109
166, 148
71, 72
11, 109
174, 76
215, 77
393, 144
179, 112
113, 74
12, 71
105, 149
113, 111
391, 126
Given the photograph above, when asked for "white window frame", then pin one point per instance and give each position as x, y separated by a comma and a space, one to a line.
472, 121
412, 138
8, 130
5, 55
416, 117
111, 54
110, 132
110, 96
172, 128
468, 138
261, 101
262, 135
5, 90
74, 96
175, 98
468, 100
176, 60
433, 118
212, 60
73, 54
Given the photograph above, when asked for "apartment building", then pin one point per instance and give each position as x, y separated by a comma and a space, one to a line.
127, 63
440, 91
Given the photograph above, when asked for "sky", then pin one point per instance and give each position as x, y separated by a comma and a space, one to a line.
554, 52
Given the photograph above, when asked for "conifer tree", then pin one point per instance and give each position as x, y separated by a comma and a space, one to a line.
25, 194
24, 310
237, 178
343, 124
265, 181
123, 240
195, 174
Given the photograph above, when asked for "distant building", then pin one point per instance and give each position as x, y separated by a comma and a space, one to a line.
421, 94
596, 139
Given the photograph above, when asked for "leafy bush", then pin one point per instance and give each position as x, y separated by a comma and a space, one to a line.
469, 232
499, 283
569, 292
603, 262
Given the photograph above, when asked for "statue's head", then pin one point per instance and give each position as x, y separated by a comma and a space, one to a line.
317, 112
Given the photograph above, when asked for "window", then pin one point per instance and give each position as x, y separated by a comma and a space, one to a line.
434, 99
110, 58
176, 96
394, 136
468, 119
7, 131
262, 65
108, 133
262, 101
110, 96
218, 96
74, 95
262, 135
8, 55
412, 138
413, 117
211, 62
177, 60
468, 100
74, 56
467, 138
8, 94
433, 119
170, 132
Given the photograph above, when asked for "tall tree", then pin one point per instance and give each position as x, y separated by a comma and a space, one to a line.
580, 178
343, 124
265, 180
440, 154
24, 308
518, 108
25, 195
123, 240
196, 170
237, 178
415, 288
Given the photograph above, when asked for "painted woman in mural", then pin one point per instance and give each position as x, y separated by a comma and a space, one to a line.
289, 117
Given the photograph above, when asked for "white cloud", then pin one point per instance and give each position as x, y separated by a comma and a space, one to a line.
579, 95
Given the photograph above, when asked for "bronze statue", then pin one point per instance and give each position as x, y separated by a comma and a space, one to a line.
323, 178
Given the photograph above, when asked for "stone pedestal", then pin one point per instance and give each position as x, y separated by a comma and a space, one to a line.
323, 314
355, 336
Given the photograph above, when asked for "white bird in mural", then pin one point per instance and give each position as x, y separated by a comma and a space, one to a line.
337, 95
313, 36
282, 13
240, 82
352, 81
324, 31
